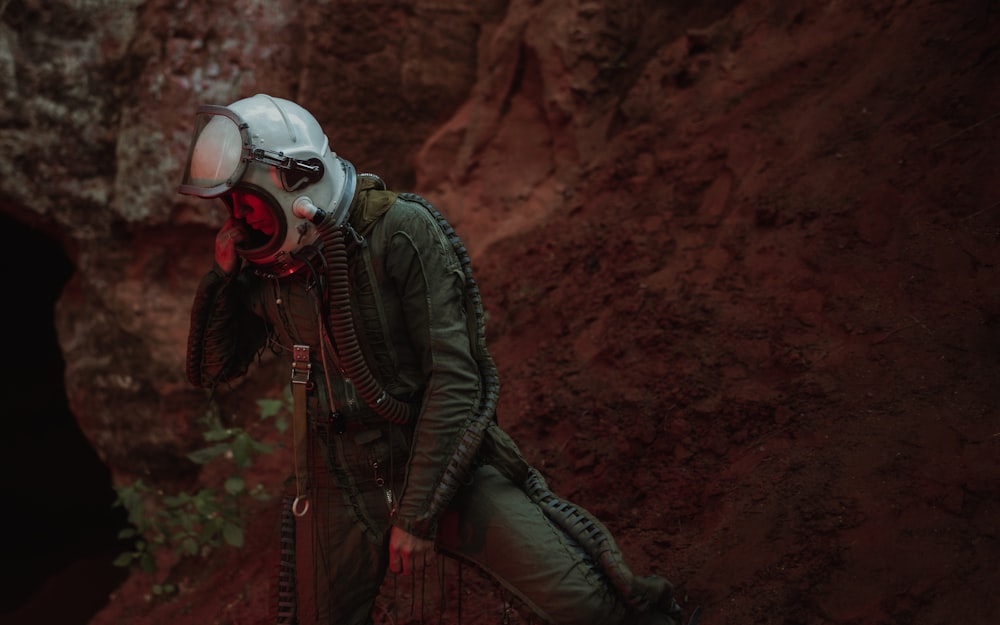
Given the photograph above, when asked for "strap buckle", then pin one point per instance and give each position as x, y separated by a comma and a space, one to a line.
300, 378
300, 364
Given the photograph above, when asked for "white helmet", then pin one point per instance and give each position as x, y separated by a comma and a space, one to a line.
276, 150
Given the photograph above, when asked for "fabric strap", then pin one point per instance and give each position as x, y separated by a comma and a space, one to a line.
300, 379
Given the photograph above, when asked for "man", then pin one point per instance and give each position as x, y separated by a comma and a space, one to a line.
370, 295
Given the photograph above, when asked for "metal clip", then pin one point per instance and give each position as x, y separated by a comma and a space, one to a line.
352, 238
300, 364
380, 482
350, 396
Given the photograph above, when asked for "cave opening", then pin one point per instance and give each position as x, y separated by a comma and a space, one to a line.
61, 529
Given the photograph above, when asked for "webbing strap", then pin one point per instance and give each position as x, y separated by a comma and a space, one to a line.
287, 595
300, 379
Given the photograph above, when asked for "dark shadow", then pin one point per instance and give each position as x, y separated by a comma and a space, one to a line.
60, 531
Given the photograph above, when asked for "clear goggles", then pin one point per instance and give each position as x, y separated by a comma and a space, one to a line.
221, 150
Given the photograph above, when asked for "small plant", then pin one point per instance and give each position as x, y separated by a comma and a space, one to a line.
192, 524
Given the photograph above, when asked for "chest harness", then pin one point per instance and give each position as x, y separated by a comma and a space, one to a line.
339, 281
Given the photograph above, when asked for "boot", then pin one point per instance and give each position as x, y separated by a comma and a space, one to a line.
658, 594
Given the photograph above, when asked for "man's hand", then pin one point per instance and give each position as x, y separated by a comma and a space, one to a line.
405, 550
230, 234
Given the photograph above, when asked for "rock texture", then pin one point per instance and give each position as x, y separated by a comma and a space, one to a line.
739, 257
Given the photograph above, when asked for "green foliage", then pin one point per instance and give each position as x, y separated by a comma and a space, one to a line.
193, 524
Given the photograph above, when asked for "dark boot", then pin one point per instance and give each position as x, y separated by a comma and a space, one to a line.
658, 594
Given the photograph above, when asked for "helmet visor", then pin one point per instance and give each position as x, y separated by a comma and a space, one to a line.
219, 153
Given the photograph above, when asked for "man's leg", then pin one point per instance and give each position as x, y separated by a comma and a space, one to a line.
494, 525
340, 567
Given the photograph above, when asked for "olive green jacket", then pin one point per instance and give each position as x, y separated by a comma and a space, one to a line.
409, 300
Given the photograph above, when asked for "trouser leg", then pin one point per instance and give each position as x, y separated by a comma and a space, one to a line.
500, 530
340, 548
340, 567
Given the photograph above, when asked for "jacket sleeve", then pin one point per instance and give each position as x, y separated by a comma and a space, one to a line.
224, 335
430, 283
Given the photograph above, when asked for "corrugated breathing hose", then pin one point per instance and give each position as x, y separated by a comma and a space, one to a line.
341, 324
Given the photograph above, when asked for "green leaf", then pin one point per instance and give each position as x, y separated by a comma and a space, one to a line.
147, 563
217, 435
178, 500
189, 547
281, 424
269, 407
259, 493
206, 502
128, 532
241, 450
233, 534
235, 485
124, 560
203, 456
164, 589
262, 448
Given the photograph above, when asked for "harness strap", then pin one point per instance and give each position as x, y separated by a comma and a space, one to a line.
300, 379
287, 596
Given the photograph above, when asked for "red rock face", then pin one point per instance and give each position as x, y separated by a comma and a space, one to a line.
740, 263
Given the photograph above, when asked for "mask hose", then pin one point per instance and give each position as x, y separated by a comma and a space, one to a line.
340, 321
342, 329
